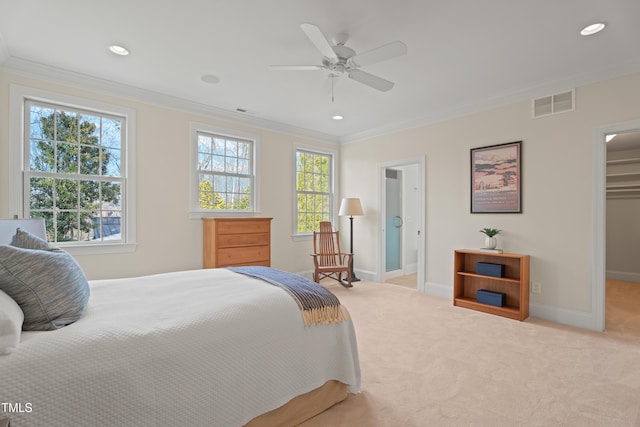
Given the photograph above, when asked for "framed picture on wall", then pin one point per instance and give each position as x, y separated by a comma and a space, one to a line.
496, 179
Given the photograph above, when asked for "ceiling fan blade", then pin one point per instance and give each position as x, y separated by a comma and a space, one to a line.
319, 40
295, 67
371, 80
382, 53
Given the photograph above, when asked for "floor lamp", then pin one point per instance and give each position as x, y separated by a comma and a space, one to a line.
351, 207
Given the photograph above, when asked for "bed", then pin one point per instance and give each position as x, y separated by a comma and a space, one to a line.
208, 347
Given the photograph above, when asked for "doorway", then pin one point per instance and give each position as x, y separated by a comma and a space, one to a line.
394, 255
402, 222
622, 240
598, 265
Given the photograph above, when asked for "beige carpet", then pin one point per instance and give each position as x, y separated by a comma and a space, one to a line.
427, 363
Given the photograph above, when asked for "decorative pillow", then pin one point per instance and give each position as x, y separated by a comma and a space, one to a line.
11, 318
49, 286
24, 239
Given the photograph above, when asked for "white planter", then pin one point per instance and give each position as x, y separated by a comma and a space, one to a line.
490, 242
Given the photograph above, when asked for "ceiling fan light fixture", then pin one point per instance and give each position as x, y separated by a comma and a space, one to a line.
592, 29
119, 50
340, 59
210, 78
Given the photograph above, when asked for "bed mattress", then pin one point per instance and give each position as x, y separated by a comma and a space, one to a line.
195, 348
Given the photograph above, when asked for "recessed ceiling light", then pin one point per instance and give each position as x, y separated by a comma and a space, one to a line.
337, 117
119, 50
210, 78
593, 28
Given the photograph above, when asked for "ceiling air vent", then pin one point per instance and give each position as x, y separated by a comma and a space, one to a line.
554, 104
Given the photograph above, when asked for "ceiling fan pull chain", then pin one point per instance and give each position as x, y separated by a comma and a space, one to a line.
332, 77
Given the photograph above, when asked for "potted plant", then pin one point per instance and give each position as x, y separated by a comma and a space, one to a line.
490, 242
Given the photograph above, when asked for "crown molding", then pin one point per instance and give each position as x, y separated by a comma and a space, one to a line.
107, 87
83, 81
607, 72
4, 50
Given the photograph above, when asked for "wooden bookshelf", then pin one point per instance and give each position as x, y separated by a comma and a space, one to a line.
515, 283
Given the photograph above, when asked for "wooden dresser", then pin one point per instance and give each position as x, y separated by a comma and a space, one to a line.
236, 241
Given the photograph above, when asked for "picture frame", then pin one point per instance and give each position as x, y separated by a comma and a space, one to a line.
496, 178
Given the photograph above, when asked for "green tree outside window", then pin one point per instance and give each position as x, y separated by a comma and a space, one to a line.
74, 174
313, 190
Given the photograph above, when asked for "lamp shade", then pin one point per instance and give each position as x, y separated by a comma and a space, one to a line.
350, 207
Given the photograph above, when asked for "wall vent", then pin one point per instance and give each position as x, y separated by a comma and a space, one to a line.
554, 104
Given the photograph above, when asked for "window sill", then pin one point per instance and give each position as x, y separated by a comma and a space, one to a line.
301, 237
212, 214
97, 248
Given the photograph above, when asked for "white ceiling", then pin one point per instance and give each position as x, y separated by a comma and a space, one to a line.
463, 56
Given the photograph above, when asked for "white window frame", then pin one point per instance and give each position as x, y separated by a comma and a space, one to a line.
195, 212
333, 209
18, 95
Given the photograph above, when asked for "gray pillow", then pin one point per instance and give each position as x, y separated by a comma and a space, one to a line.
49, 286
26, 240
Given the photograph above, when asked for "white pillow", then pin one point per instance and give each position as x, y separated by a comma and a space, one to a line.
11, 318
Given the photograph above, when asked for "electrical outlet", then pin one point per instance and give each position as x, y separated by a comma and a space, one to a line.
536, 288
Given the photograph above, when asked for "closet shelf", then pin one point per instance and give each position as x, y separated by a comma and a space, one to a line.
623, 187
623, 175
624, 161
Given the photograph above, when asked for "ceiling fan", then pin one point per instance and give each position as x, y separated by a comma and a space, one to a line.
340, 59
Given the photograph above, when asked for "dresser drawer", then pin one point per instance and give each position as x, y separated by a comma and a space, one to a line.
246, 255
252, 263
234, 240
243, 227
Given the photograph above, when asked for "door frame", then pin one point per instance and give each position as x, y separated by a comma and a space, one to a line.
421, 261
599, 230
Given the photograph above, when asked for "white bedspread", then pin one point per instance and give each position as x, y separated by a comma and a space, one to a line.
196, 348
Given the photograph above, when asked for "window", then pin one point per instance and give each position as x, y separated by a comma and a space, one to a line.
225, 170
74, 173
314, 189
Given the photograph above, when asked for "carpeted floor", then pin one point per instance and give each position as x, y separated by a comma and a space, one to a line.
427, 363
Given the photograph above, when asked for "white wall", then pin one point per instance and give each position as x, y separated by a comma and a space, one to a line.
167, 239
555, 227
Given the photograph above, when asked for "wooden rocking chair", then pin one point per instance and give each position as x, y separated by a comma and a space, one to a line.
329, 261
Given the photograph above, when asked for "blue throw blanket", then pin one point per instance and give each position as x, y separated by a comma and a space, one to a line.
317, 304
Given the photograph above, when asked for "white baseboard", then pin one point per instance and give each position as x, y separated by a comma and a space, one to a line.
438, 290
625, 276
392, 274
578, 319
410, 268
369, 276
